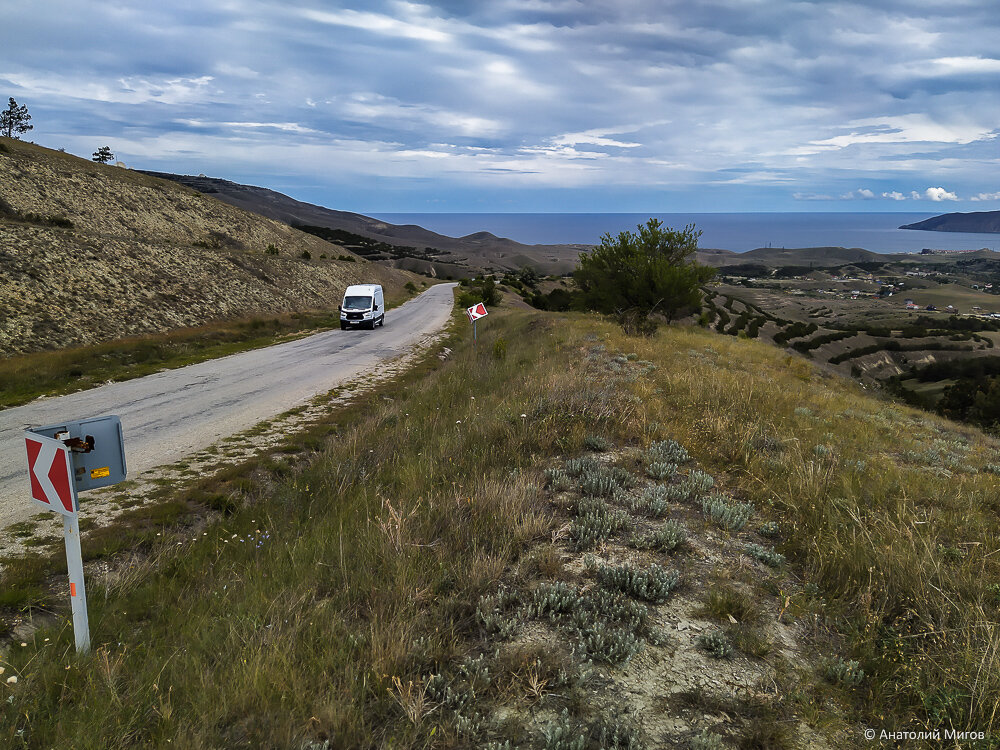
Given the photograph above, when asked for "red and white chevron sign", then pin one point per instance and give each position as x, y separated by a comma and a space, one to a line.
476, 312
51, 473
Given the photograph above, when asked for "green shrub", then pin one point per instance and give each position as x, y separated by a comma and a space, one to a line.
661, 470
667, 538
716, 643
730, 516
595, 522
596, 443
845, 673
558, 480
667, 451
707, 741
576, 467
766, 555
652, 585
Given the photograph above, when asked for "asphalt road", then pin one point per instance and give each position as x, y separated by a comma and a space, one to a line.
172, 414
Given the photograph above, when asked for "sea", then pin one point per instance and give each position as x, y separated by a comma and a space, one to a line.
739, 232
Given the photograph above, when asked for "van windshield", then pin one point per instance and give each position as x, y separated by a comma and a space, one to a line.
357, 303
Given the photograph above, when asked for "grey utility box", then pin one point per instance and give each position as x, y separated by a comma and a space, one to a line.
97, 450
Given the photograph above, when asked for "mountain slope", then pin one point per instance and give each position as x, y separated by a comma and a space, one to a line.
479, 251
91, 253
976, 221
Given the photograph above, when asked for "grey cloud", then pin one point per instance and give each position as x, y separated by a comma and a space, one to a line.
763, 97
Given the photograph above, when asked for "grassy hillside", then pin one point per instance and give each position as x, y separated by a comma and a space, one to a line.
92, 253
752, 553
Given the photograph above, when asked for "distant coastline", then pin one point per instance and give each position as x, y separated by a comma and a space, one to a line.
737, 232
982, 222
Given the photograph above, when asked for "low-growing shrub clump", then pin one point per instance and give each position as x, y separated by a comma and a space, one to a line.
707, 741
652, 585
661, 470
766, 555
730, 516
667, 451
576, 467
845, 673
716, 644
497, 613
596, 443
669, 537
595, 522
558, 480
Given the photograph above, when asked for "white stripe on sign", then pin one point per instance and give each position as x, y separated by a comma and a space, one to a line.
43, 465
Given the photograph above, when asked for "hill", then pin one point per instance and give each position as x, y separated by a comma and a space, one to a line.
478, 251
91, 253
780, 256
688, 541
975, 221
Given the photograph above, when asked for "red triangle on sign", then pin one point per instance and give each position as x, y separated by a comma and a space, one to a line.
480, 309
59, 476
36, 489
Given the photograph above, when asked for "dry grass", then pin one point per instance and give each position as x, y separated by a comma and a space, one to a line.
313, 613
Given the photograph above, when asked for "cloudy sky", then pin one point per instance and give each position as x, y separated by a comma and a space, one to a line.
530, 105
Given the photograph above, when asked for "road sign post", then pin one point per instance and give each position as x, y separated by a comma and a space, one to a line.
476, 312
63, 460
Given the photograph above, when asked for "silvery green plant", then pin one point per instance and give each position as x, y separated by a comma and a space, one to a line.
667, 451
667, 538
596, 443
716, 643
550, 600
707, 741
476, 670
611, 606
558, 480
495, 612
652, 500
840, 672
652, 585
598, 484
595, 522
769, 529
700, 482
447, 694
561, 734
575, 467
661, 470
766, 555
622, 476
730, 516
618, 732
606, 643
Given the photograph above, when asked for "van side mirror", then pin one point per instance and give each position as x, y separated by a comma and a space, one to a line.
374, 307
339, 309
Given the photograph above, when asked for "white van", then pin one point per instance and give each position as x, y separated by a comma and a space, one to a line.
363, 307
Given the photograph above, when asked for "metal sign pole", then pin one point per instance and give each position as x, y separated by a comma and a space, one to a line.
77, 590
475, 340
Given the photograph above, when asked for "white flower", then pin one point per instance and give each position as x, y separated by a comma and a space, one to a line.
524, 416
12, 679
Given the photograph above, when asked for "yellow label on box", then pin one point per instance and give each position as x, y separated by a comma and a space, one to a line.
102, 472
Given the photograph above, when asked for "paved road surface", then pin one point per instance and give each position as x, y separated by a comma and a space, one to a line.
171, 414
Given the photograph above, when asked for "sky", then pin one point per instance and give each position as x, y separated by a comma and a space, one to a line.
530, 105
